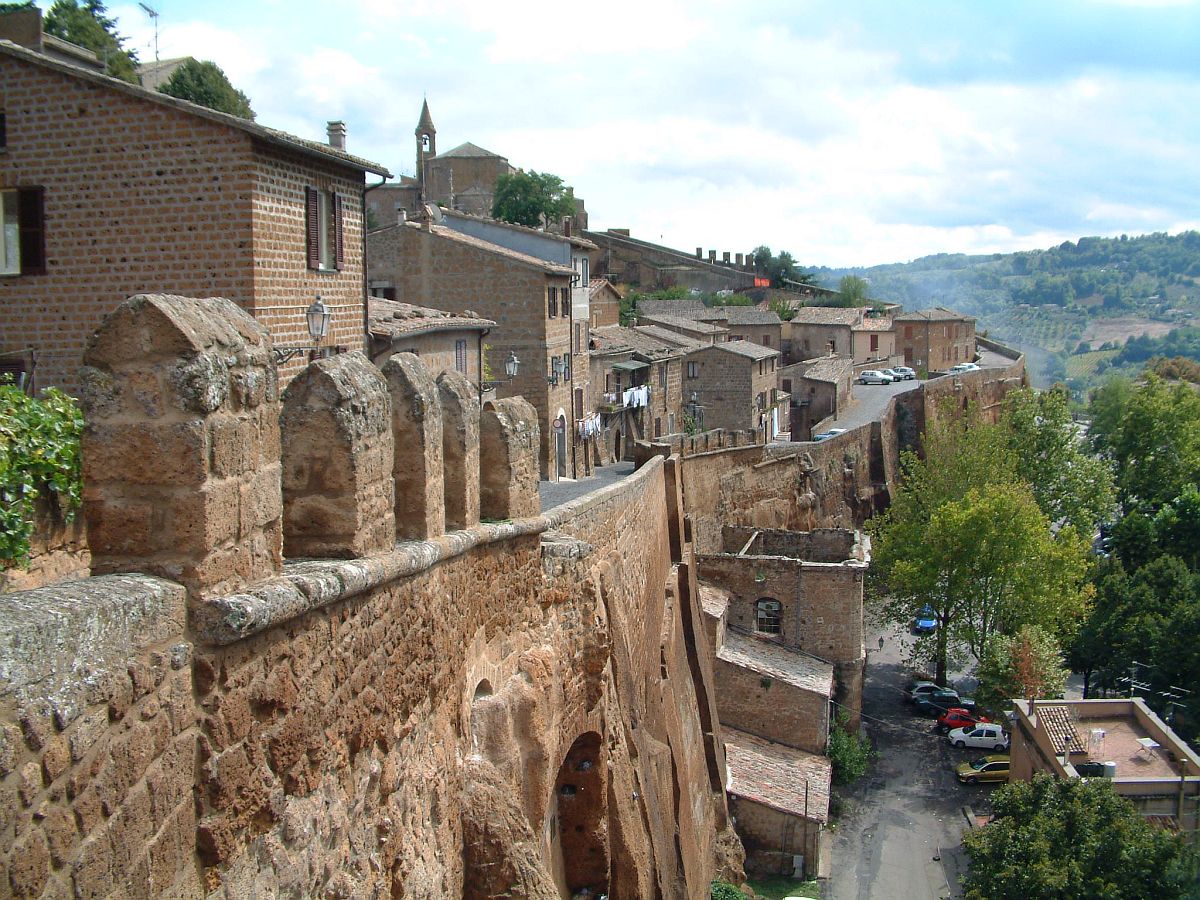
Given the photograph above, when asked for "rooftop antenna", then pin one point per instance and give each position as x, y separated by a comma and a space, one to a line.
153, 14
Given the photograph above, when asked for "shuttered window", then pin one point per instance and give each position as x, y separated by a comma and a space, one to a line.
24, 232
324, 230
460, 356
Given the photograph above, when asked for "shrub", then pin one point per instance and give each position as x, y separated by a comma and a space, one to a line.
39, 453
850, 754
722, 890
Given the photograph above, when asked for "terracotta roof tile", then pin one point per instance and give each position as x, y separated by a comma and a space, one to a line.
390, 318
778, 776
935, 314
745, 348
683, 322
768, 658
488, 247
1059, 725
827, 315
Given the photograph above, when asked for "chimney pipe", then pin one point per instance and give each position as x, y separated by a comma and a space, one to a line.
337, 135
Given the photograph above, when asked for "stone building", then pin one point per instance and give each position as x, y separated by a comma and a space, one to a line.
736, 387
527, 297
745, 323
935, 339
628, 260
816, 331
873, 341
114, 190
693, 329
444, 341
604, 303
818, 390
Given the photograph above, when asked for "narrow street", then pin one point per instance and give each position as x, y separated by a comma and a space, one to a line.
899, 828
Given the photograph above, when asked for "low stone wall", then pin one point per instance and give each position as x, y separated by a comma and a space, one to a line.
58, 551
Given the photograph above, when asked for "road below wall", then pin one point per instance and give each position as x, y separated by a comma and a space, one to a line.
556, 493
899, 828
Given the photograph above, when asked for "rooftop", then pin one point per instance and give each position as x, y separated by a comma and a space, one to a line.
874, 323
827, 315
468, 150
744, 348
392, 319
778, 776
574, 240
739, 315
487, 247
714, 600
768, 658
652, 343
826, 368
934, 314
598, 284
683, 322
269, 135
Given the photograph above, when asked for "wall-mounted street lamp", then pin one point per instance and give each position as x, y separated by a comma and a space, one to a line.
511, 366
317, 316
556, 371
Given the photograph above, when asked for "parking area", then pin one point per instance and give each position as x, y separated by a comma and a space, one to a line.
899, 828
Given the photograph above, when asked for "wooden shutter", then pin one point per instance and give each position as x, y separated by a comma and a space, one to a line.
339, 246
32, 218
312, 209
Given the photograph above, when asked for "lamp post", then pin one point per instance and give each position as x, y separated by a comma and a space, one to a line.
511, 366
317, 316
556, 371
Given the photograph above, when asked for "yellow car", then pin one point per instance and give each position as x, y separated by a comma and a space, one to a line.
988, 768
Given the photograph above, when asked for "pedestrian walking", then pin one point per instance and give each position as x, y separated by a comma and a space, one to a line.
881, 643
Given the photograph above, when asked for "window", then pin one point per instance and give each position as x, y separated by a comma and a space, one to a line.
769, 616
766, 340
670, 423
579, 403
693, 370
657, 426
3, 130
908, 332
662, 376
323, 214
762, 367
607, 382
24, 251
874, 343
566, 367
586, 271
552, 302
460, 356
787, 385
578, 337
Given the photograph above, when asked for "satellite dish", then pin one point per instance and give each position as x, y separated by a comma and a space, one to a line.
434, 212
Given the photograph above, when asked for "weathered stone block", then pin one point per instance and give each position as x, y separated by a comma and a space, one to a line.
460, 449
417, 436
509, 441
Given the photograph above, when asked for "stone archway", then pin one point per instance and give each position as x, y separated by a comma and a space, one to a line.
577, 820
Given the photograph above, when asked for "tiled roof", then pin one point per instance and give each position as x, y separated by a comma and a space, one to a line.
643, 341
778, 776
745, 348
575, 241
390, 318
270, 135
739, 315
1059, 725
468, 150
935, 314
827, 315
874, 323
598, 284
768, 658
685, 307
828, 368
488, 247
667, 338
683, 322
714, 600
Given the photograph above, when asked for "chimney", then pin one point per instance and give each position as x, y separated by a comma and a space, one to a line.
699, 253
566, 226
337, 135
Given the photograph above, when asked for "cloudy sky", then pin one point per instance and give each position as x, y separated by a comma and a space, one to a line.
845, 132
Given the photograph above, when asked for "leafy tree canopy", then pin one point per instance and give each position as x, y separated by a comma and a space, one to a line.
530, 198
781, 269
87, 25
205, 83
1072, 839
1028, 664
852, 291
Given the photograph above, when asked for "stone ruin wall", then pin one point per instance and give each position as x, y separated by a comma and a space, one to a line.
523, 704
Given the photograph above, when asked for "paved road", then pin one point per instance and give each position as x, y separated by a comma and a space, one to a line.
869, 402
556, 493
909, 808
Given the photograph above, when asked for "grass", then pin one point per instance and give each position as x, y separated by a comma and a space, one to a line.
1083, 365
779, 886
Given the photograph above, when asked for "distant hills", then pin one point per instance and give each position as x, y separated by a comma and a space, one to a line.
1054, 304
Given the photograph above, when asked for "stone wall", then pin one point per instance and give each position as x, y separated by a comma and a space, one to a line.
771, 708
523, 707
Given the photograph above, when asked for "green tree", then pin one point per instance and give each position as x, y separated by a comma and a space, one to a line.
88, 26
852, 291
206, 84
1028, 665
1070, 485
781, 269
1072, 839
849, 753
529, 198
1106, 408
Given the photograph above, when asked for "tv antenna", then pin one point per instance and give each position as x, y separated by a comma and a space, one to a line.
153, 14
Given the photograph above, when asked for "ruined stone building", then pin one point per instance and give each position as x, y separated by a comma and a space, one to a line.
111, 189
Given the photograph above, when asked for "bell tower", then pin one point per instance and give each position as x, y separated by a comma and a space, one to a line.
426, 145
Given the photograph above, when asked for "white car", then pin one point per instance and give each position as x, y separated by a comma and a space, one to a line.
989, 737
963, 367
905, 372
873, 376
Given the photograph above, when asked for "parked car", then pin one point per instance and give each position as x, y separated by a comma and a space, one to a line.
988, 768
905, 372
873, 376
989, 736
826, 435
963, 367
957, 717
918, 689
934, 703
892, 374
926, 621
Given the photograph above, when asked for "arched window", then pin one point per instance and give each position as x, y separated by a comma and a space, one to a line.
769, 616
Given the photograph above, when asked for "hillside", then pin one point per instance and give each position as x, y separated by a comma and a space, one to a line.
1052, 303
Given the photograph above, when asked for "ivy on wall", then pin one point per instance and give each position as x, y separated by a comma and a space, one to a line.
39, 456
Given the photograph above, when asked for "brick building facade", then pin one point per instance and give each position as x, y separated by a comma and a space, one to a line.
123, 190
445, 342
935, 339
736, 384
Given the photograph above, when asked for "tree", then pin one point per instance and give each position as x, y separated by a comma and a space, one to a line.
1072, 839
781, 269
530, 198
849, 753
1071, 487
1027, 665
89, 27
852, 291
205, 83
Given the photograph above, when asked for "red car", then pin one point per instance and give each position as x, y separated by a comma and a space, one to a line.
957, 717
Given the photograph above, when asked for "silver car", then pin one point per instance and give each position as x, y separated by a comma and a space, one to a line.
874, 376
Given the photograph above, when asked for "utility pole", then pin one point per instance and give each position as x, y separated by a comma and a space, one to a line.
153, 14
